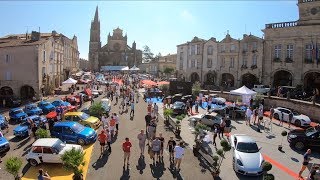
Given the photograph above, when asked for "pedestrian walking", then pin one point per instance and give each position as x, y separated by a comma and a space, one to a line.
178, 154
104, 121
215, 134
162, 145
196, 106
142, 137
108, 140
170, 146
222, 126
43, 175
151, 130
209, 104
313, 172
102, 138
255, 114
306, 159
156, 147
290, 118
132, 109
34, 129
112, 124
281, 119
156, 109
148, 119
126, 146
271, 113
248, 115
117, 121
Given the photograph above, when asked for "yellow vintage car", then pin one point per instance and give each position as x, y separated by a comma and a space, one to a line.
82, 118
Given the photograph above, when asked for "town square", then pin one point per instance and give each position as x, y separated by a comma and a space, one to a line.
160, 90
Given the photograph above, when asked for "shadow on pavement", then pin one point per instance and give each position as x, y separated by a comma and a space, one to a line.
141, 164
101, 161
157, 169
125, 174
26, 168
17, 139
24, 142
175, 174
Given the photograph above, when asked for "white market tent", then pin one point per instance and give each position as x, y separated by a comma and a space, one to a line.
134, 68
70, 81
245, 92
114, 68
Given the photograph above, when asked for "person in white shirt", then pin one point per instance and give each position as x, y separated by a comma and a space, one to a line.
248, 115
104, 122
117, 121
178, 154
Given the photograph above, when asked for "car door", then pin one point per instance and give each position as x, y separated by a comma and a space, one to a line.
57, 132
314, 140
78, 120
69, 135
285, 115
207, 120
49, 155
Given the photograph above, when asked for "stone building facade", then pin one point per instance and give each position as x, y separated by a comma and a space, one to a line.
115, 53
157, 66
289, 55
84, 64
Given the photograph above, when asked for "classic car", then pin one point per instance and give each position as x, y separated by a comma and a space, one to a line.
247, 158
17, 114
32, 109
298, 119
3, 122
58, 103
179, 108
82, 118
11, 101
209, 119
4, 144
46, 107
301, 139
22, 130
49, 150
74, 132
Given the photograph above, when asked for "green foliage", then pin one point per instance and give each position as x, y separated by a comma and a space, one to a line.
200, 127
215, 159
96, 109
42, 133
13, 165
164, 88
220, 152
168, 70
196, 88
178, 121
268, 177
183, 116
180, 117
72, 159
266, 166
284, 133
167, 112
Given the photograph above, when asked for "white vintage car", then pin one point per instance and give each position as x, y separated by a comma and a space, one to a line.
48, 150
298, 119
209, 119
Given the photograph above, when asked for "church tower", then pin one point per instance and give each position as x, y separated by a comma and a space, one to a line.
309, 12
94, 43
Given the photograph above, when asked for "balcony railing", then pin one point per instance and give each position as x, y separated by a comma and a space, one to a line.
281, 25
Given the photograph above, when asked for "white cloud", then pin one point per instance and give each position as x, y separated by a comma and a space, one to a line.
187, 16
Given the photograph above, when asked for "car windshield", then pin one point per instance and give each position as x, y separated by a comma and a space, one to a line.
178, 104
84, 116
295, 113
25, 123
247, 147
45, 103
18, 111
77, 127
310, 131
58, 146
32, 106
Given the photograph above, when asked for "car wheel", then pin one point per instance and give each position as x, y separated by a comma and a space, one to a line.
33, 162
299, 145
81, 142
276, 116
297, 123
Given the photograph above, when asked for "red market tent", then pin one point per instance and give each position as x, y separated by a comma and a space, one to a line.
163, 83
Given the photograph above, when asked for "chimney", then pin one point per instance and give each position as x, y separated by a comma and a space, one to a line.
54, 33
35, 36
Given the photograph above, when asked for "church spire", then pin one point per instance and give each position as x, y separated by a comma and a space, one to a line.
96, 15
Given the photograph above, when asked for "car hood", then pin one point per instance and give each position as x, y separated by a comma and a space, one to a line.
50, 106
250, 161
298, 132
87, 132
198, 116
304, 117
20, 128
3, 141
35, 110
92, 119
68, 147
22, 114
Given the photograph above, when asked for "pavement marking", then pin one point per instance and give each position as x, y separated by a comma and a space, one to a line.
281, 167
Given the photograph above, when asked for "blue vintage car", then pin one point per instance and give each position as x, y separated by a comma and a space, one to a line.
32, 109
3, 122
58, 103
23, 129
17, 114
46, 107
4, 144
74, 132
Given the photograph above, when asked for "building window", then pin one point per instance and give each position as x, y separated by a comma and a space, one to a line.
193, 63
193, 50
254, 60
7, 58
198, 49
232, 48
245, 46
223, 48
210, 50
44, 56
254, 46
244, 61
290, 51
43, 70
222, 62
308, 56
209, 63
232, 62
277, 51
8, 76
181, 60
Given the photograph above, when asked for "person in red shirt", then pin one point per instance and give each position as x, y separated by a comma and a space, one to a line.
102, 137
126, 146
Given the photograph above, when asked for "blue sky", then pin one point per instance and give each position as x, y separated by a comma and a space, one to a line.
159, 24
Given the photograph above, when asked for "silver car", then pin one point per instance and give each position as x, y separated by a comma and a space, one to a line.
247, 159
209, 119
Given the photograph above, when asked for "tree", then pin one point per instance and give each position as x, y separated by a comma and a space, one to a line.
221, 152
157, 57
164, 88
196, 88
168, 70
147, 55
96, 109
42, 133
72, 160
13, 165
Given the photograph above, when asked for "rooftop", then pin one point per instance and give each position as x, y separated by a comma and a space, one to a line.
244, 138
48, 142
20, 42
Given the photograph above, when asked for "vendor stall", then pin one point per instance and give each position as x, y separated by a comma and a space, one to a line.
245, 93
